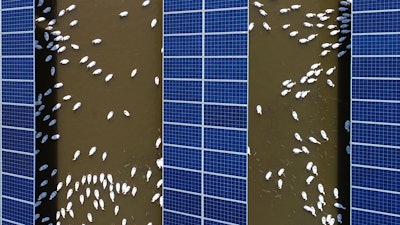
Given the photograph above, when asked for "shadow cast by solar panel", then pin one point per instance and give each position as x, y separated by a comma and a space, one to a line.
343, 159
46, 151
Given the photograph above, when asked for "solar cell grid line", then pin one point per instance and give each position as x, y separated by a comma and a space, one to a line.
17, 85
1, 114
204, 116
375, 104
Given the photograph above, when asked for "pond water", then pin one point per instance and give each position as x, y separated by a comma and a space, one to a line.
129, 43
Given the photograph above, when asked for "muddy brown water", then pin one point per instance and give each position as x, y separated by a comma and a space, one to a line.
129, 43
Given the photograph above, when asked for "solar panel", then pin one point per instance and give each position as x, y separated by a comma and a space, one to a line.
375, 113
17, 158
205, 101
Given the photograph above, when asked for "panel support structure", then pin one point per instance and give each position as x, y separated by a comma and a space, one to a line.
205, 111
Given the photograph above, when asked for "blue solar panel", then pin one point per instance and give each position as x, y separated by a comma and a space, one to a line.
226, 68
21, 17
375, 110
377, 22
182, 45
222, 163
205, 104
182, 23
226, 21
182, 90
18, 164
226, 45
17, 92
182, 112
226, 92
182, 202
18, 116
376, 67
182, 157
225, 116
377, 179
223, 210
375, 156
192, 180
376, 89
182, 135
227, 140
19, 188
182, 68
376, 201
182, 5
220, 4
171, 218
25, 211
387, 112
17, 159
17, 44
365, 5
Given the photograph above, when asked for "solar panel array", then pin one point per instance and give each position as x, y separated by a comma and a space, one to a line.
17, 85
205, 94
375, 125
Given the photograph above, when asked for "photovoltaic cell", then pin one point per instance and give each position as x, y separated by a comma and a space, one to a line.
375, 134
192, 180
217, 162
182, 23
17, 44
174, 218
377, 89
376, 201
182, 68
182, 112
387, 112
377, 22
377, 179
17, 92
375, 156
225, 210
364, 5
369, 218
22, 17
221, 4
226, 68
226, 92
18, 164
379, 67
18, 116
17, 171
376, 44
182, 202
226, 21
226, 45
375, 108
25, 211
182, 5
182, 157
205, 104
18, 188
227, 140
225, 116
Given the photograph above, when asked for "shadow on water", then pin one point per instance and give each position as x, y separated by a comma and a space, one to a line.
47, 151
344, 77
